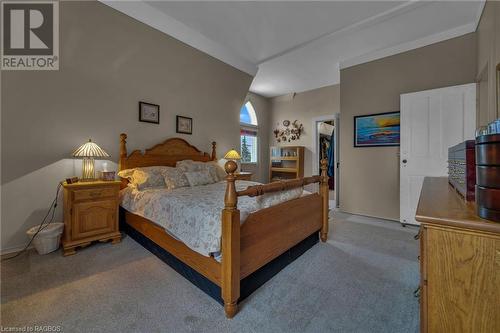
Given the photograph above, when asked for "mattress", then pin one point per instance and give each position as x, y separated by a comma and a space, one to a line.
193, 214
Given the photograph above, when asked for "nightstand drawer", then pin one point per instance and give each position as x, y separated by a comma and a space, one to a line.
96, 193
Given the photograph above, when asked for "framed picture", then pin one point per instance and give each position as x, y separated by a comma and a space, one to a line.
184, 125
381, 129
149, 113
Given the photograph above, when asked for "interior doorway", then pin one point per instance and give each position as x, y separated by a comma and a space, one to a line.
326, 146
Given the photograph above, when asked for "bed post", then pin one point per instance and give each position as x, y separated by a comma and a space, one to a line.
123, 157
123, 151
214, 154
230, 274
324, 192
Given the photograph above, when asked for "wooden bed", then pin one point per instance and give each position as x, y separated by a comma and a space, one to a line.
263, 237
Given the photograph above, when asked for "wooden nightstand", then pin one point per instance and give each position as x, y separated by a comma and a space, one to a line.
90, 214
244, 175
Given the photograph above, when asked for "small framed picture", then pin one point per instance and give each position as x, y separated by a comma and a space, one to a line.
149, 113
184, 125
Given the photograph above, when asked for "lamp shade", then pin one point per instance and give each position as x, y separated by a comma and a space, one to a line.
232, 155
90, 149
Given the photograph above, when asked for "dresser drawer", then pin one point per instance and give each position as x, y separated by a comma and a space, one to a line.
97, 193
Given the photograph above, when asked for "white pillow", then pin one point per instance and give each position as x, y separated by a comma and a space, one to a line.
216, 171
146, 177
175, 178
220, 173
187, 166
196, 178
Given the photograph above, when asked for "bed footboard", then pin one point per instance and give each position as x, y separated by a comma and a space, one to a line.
267, 233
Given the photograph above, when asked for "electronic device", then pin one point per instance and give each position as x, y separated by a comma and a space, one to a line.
72, 180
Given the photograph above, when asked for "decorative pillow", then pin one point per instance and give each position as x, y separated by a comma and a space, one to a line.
216, 171
127, 173
187, 166
175, 178
146, 177
196, 178
220, 173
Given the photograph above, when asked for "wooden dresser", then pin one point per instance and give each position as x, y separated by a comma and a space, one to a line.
90, 214
459, 263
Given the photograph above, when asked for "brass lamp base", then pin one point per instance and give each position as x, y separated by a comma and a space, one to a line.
88, 172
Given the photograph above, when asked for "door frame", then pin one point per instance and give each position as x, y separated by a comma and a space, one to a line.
315, 149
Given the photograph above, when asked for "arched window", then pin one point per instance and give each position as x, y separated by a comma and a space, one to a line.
248, 133
247, 115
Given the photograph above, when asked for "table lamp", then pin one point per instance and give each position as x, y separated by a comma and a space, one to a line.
231, 156
89, 151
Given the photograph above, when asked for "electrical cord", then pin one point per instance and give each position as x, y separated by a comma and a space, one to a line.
42, 225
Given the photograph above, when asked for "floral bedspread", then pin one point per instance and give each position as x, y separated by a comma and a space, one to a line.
193, 214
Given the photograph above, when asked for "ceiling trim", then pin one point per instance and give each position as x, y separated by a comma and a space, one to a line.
408, 46
479, 13
370, 21
143, 12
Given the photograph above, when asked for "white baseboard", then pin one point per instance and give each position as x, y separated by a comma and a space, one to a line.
13, 250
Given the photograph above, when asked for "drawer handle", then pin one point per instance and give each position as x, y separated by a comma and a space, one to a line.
95, 194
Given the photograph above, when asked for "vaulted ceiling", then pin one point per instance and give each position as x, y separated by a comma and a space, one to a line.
293, 46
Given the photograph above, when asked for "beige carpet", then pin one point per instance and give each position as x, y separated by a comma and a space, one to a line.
360, 281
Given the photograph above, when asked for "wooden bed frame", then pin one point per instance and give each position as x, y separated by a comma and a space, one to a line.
265, 235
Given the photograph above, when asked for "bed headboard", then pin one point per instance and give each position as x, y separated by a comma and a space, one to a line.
166, 153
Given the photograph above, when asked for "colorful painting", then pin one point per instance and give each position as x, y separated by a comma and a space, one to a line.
380, 129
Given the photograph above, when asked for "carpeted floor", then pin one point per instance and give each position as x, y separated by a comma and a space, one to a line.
361, 280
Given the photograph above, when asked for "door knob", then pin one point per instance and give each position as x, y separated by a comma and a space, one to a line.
404, 161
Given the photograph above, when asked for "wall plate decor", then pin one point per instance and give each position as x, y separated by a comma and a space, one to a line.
380, 129
149, 113
290, 132
184, 125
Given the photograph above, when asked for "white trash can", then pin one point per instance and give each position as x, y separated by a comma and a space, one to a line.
48, 238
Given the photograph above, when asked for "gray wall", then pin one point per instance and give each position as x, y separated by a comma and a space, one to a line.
488, 57
109, 62
369, 177
304, 107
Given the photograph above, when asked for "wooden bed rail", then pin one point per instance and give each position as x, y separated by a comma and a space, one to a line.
230, 275
283, 185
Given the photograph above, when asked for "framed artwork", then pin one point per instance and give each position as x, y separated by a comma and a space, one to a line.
184, 125
375, 130
149, 113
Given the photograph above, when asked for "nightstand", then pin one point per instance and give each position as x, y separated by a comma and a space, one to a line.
90, 214
243, 175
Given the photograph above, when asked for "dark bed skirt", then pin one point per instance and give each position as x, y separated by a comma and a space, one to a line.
247, 286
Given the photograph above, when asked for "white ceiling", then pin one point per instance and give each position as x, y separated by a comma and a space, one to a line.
294, 46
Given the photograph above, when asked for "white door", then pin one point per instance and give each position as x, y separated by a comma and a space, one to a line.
431, 122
